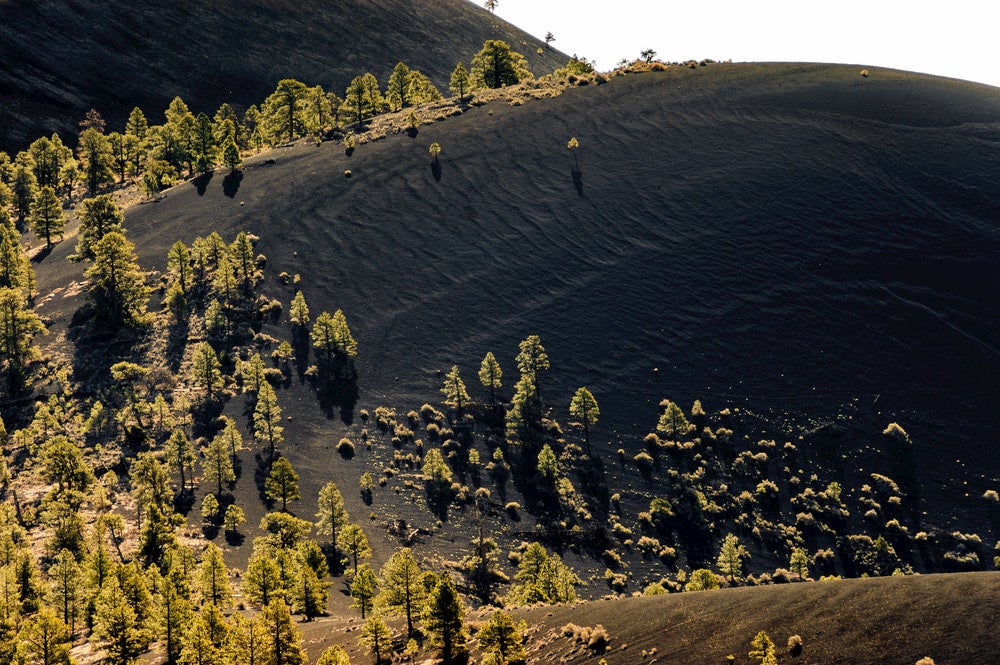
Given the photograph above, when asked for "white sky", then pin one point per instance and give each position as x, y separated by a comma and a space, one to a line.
958, 38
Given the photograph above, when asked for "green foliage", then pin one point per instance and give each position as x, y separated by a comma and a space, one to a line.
363, 589
118, 286
122, 631
762, 648
262, 580
799, 563
217, 461
282, 483
548, 465
672, 424
18, 326
454, 390
213, 577
209, 508
362, 100
584, 408
283, 645
44, 639
205, 369
702, 580
283, 113
298, 311
460, 82
402, 591
497, 66
334, 655
542, 577
376, 636
47, 217
332, 337
435, 469
731, 556
267, 418
501, 638
100, 216
443, 614
95, 153
332, 514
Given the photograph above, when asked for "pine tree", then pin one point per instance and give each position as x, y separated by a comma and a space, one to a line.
584, 408
731, 557
15, 269
267, 419
334, 655
44, 639
376, 636
402, 591
763, 648
137, 126
205, 148
490, 375
205, 371
118, 286
24, 187
180, 452
262, 580
179, 266
217, 462
332, 515
283, 111
173, 610
298, 311
246, 640
496, 66
363, 589
213, 578
454, 391
443, 614
47, 217
282, 483
18, 325
242, 258
284, 642
355, 543
421, 90
397, 89
231, 155
207, 638
123, 632
799, 562
65, 580
95, 153
501, 638
672, 422
332, 337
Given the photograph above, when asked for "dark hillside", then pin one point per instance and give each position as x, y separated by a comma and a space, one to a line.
63, 57
726, 238
890, 620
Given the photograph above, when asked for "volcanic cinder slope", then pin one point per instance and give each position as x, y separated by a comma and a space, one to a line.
63, 57
793, 239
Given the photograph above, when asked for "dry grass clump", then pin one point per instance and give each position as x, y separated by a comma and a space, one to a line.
794, 645
596, 638
346, 448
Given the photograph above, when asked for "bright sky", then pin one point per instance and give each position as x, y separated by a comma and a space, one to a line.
958, 38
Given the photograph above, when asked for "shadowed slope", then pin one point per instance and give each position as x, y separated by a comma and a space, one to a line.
63, 57
753, 248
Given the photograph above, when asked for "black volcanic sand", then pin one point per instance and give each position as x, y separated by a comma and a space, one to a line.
795, 239
63, 57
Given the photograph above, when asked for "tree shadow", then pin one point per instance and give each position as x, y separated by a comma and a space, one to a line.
436, 170
336, 386
235, 538
177, 335
412, 132
577, 180
231, 183
201, 182
42, 254
300, 346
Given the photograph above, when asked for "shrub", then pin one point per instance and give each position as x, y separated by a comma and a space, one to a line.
702, 580
644, 461
346, 448
991, 495
209, 508
795, 645
864, 73
926, 660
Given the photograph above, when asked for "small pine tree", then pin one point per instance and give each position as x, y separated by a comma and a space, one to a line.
459, 81
47, 217
584, 408
454, 391
363, 589
762, 648
376, 636
282, 483
332, 515
731, 556
501, 638
443, 614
